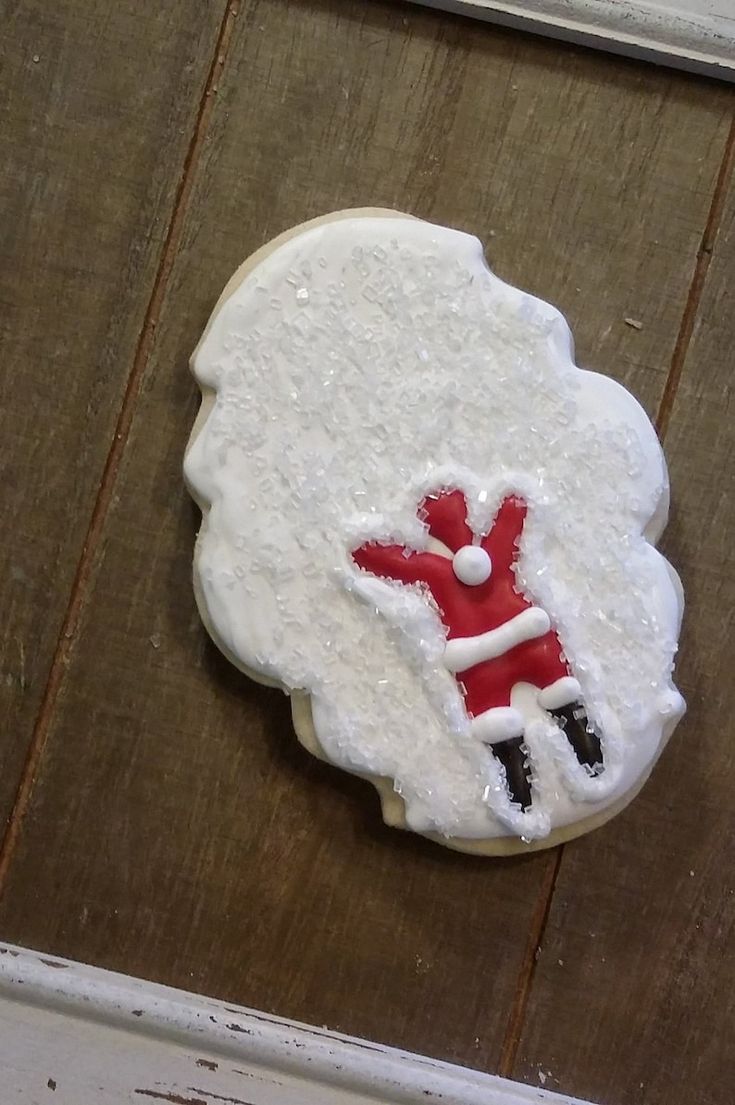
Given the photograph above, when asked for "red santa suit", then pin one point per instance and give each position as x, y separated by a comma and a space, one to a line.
496, 637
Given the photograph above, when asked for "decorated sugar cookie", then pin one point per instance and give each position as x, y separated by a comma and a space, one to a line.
434, 532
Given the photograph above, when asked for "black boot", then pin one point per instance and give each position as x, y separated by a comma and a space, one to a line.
512, 756
577, 728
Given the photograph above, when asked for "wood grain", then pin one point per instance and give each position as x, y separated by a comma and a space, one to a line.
176, 829
638, 946
99, 103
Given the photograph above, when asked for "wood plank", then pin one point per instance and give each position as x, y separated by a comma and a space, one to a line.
99, 103
177, 830
638, 947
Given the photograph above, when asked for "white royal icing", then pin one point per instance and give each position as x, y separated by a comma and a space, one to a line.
464, 652
501, 723
472, 565
360, 365
561, 693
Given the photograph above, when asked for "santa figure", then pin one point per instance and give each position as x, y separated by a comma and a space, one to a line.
496, 637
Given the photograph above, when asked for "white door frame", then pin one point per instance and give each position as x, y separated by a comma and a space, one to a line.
77, 1035
698, 35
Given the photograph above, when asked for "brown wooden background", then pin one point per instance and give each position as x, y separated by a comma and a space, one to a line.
160, 818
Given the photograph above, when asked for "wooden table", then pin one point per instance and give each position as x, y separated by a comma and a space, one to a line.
161, 818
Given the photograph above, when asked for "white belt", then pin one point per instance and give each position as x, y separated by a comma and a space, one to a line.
464, 652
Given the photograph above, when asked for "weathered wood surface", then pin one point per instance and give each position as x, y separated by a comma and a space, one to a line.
638, 946
98, 105
175, 829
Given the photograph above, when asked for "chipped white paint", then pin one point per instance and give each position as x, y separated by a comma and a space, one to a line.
698, 35
77, 1035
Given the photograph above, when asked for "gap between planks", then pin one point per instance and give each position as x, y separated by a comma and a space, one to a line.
536, 930
82, 576
701, 267
539, 919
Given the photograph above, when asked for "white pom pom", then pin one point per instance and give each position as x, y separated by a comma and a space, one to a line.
472, 565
